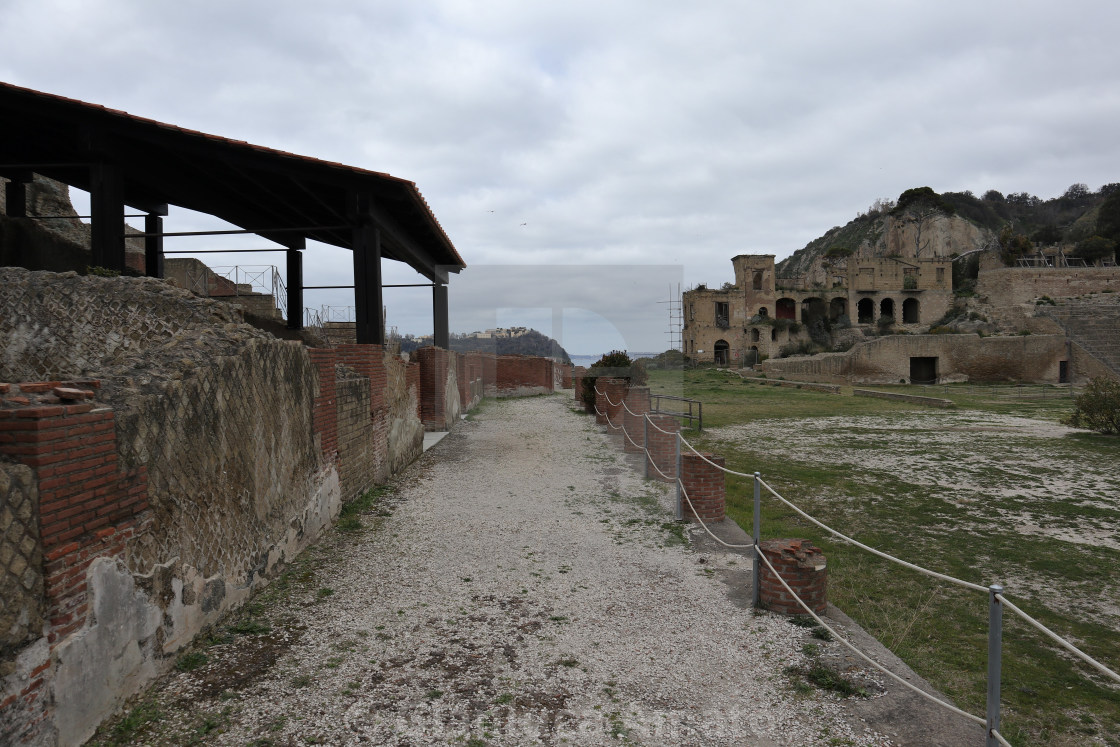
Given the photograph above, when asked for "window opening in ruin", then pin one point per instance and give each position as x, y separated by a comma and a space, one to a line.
886, 307
722, 315
757, 280
941, 274
865, 311
773, 335
909, 280
785, 308
762, 312
923, 370
722, 353
754, 335
910, 311
837, 308
691, 311
813, 309
1063, 372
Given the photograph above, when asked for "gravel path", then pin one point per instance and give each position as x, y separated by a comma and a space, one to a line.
521, 585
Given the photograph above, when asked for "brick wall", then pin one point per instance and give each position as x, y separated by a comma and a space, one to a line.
802, 566
705, 486
357, 458
489, 375
523, 375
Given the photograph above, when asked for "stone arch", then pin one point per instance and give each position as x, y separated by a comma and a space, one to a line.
722, 353
754, 334
756, 283
865, 311
837, 308
785, 308
886, 308
774, 335
763, 312
813, 308
911, 311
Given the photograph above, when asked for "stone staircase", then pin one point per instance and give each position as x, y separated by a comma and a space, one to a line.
1093, 326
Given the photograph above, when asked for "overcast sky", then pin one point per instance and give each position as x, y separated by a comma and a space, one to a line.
617, 132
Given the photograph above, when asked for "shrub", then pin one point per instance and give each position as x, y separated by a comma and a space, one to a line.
615, 364
1098, 409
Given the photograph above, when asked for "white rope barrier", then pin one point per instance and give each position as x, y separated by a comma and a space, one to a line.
1059, 640
872, 550
709, 531
607, 397
654, 463
709, 461
667, 433
1000, 739
636, 445
864, 656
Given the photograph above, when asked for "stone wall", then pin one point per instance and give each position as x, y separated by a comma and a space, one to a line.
1017, 285
886, 360
21, 562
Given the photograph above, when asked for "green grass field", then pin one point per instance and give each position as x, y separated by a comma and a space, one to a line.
992, 491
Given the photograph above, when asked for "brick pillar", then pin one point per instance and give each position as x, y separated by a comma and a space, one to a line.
89, 507
600, 401
433, 387
662, 447
324, 414
637, 401
705, 486
803, 568
489, 375
577, 382
615, 391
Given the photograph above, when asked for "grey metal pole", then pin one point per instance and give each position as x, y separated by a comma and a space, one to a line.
680, 499
757, 533
645, 446
995, 651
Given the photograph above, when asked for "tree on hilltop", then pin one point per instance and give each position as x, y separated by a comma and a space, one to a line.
917, 206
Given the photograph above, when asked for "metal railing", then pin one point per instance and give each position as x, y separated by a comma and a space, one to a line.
239, 280
996, 599
690, 416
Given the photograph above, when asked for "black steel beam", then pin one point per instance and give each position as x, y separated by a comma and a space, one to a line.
440, 336
106, 200
295, 289
153, 245
368, 309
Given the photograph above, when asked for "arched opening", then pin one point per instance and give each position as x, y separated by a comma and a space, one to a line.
773, 335
754, 335
886, 308
785, 308
813, 309
722, 353
762, 312
837, 308
757, 284
865, 311
910, 311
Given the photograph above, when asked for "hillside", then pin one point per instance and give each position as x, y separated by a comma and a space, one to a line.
530, 343
923, 223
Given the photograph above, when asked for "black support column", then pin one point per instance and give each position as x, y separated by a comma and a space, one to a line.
15, 195
295, 288
368, 309
153, 245
440, 336
106, 201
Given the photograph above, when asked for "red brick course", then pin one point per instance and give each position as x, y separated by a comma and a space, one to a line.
637, 402
705, 486
662, 447
802, 566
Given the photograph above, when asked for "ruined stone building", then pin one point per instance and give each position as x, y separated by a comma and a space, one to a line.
759, 313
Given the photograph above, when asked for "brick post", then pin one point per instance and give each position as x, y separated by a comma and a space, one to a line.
802, 566
662, 447
600, 402
637, 401
433, 387
615, 391
577, 382
705, 486
489, 375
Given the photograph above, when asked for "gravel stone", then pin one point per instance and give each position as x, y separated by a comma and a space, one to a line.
523, 585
